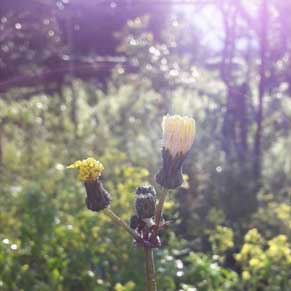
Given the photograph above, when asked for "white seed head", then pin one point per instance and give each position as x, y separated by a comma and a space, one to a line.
178, 133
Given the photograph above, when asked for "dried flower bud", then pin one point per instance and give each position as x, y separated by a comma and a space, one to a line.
178, 137
97, 197
145, 202
89, 172
134, 222
146, 189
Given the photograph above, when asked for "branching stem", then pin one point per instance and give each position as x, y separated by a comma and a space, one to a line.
150, 273
118, 221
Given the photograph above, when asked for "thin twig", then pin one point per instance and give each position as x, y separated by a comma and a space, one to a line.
117, 220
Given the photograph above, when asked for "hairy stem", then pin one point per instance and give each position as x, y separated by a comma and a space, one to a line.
159, 210
150, 275
118, 221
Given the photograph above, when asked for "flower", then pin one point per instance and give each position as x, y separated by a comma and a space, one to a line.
134, 221
246, 275
255, 263
145, 202
89, 172
178, 134
97, 197
178, 137
143, 221
89, 169
146, 189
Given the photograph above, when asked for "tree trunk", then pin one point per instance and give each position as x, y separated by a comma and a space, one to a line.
262, 88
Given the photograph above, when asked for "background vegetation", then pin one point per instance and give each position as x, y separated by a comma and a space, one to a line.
93, 78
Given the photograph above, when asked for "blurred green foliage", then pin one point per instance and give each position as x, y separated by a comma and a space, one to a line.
225, 233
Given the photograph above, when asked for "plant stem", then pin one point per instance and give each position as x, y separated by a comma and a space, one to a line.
150, 276
150, 273
118, 221
159, 210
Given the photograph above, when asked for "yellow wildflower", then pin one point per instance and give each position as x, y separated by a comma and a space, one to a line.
255, 263
89, 169
246, 249
253, 236
246, 275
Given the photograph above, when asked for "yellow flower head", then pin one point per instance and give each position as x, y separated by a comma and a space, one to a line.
178, 133
246, 275
255, 263
89, 169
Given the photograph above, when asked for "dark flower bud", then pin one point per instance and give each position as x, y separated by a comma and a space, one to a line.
97, 197
134, 221
146, 189
145, 205
170, 175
